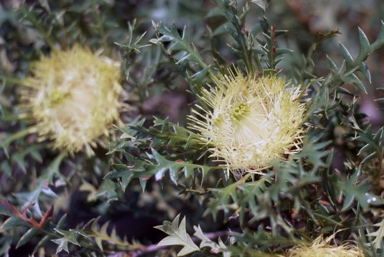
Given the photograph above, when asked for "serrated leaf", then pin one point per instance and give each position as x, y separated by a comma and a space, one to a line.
177, 235
100, 234
373, 142
62, 244
69, 237
121, 172
174, 167
352, 190
178, 43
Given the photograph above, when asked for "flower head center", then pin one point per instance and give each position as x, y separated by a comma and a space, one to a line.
239, 111
57, 97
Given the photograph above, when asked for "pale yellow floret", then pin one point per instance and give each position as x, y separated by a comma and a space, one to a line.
72, 98
251, 121
322, 248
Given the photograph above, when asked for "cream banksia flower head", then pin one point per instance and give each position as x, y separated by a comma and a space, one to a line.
72, 97
252, 120
321, 248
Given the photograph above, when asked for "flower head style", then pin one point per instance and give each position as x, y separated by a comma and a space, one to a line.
72, 98
252, 120
321, 248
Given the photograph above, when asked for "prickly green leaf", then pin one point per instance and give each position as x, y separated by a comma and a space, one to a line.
32, 198
177, 235
122, 173
174, 167
352, 190
62, 244
101, 234
178, 43
373, 141
69, 237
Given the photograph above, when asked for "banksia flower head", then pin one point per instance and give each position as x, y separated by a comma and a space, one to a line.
322, 248
72, 97
252, 120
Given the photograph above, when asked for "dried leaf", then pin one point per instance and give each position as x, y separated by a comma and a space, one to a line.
177, 235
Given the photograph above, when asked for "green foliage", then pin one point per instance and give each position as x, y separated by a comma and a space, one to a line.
143, 158
68, 237
332, 186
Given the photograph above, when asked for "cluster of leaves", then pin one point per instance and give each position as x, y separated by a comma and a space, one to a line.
308, 194
35, 179
306, 186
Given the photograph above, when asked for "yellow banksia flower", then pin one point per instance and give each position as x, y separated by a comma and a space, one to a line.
72, 98
321, 248
251, 121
